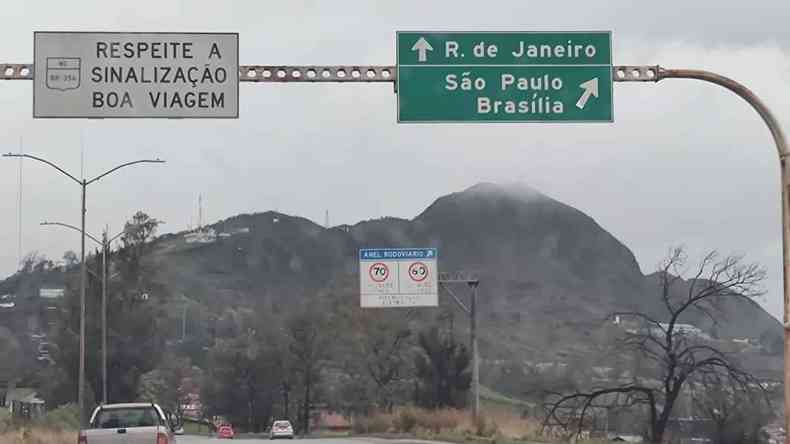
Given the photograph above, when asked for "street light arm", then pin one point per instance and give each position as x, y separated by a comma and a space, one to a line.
47, 162
60, 224
122, 166
781, 148
739, 89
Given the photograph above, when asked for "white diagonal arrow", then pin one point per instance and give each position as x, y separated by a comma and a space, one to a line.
590, 89
422, 46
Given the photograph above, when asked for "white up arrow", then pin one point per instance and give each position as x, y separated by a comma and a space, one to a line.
422, 46
590, 89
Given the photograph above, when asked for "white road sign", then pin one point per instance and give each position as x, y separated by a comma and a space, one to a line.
398, 277
128, 75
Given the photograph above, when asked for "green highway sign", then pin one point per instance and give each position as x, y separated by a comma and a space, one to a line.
446, 77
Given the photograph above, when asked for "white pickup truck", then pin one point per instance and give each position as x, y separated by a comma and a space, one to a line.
136, 423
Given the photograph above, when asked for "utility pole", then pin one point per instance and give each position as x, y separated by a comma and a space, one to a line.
471, 280
104, 271
83, 183
475, 353
19, 210
83, 283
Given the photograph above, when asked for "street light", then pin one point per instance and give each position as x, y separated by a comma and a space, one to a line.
83, 272
105, 244
784, 153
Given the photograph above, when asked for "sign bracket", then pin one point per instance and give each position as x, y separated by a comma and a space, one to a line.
339, 73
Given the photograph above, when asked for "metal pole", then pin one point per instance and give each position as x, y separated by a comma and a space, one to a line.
105, 247
475, 357
781, 148
786, 259
473, 282
83, 279
19, 208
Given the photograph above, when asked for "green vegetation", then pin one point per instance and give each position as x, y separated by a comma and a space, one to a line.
493, 397
65, 417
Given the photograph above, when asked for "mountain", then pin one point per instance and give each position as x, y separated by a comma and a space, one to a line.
549, 274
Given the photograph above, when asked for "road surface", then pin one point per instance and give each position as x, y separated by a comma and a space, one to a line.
191, 439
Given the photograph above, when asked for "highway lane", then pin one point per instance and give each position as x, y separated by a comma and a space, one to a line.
192, 439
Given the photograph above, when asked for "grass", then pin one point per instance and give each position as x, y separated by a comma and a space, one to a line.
498, 424
58, 426
332, 434
27, 435
487, 394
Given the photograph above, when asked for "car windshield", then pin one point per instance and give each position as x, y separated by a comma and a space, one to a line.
127, 417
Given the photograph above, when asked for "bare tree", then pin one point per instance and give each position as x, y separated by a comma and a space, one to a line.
737, 415
676, 353
136, 239
70, 258
34, 261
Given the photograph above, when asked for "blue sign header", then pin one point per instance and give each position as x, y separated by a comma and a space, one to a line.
397, 254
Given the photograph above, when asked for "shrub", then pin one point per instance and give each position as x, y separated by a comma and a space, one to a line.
359, 425
484, 427
65, 417
379, 424
450, 419
406, 421
5, 420
438, 420
371, 424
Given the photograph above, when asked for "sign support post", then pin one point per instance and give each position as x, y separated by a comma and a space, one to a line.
475, 353
471, 280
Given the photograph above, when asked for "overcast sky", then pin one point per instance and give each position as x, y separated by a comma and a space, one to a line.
683, 163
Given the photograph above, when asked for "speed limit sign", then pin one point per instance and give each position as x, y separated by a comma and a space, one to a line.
418, 271
398, 277
379, 272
